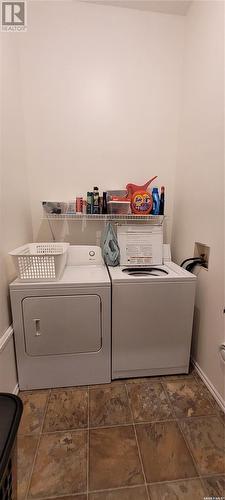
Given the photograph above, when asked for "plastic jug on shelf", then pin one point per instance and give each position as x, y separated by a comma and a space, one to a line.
133, 188
141, 198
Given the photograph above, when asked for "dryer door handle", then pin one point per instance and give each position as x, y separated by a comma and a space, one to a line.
37, 326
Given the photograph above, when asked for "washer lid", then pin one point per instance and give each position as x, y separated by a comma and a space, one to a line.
145, 271
165, 273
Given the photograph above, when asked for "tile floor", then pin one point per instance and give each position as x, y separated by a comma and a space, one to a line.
159, 438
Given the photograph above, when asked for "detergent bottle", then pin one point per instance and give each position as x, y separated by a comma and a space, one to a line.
162, 201
141, 199
156, 201
133, 188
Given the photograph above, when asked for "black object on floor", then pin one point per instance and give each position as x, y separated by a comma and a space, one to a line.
11, 408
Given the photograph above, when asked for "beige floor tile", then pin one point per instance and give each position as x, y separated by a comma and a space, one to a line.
215, 486
164, 452
114, 460
180, 376
182, 490
142, 380
60, 470
26, 448
61, 465
67, 409
131, 380
188, 399
34, 404
148, 402
70, 497
109, 406
136, 493
204, 388
206, 440
219, 412
105, 386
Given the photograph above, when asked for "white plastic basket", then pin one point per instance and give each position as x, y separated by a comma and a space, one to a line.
40, 261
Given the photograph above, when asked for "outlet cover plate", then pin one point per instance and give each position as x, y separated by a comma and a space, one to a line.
202, 250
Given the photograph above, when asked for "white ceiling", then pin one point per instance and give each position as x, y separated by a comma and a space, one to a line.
178, 7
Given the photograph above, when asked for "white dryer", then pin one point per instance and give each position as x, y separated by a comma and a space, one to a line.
63, 329
152, 314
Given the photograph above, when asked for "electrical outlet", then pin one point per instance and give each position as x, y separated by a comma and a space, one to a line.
203, 251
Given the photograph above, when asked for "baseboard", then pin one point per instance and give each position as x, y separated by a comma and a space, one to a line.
4, 339
16, 390
209, 385
8, 372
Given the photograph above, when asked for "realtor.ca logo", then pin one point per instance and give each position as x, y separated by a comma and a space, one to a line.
13, 16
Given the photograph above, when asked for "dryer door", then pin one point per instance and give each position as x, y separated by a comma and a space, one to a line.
62, 324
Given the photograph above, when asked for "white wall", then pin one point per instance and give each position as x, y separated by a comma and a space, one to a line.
101, 95
199, 193
15, 219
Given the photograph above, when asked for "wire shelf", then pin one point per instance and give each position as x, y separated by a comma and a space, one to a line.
150, 219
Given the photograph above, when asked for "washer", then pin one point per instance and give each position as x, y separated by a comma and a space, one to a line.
152, 314
63, 329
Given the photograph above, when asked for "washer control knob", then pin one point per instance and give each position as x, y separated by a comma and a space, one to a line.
92, 253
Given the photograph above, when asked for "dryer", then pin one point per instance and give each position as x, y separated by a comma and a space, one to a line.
62, 329
152, 314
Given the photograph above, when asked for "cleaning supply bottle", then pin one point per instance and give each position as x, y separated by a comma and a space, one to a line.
104, 203
162, 201
89, 202
96, 204
156, 202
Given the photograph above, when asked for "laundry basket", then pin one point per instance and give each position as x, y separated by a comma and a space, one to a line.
10, 414
40, 261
